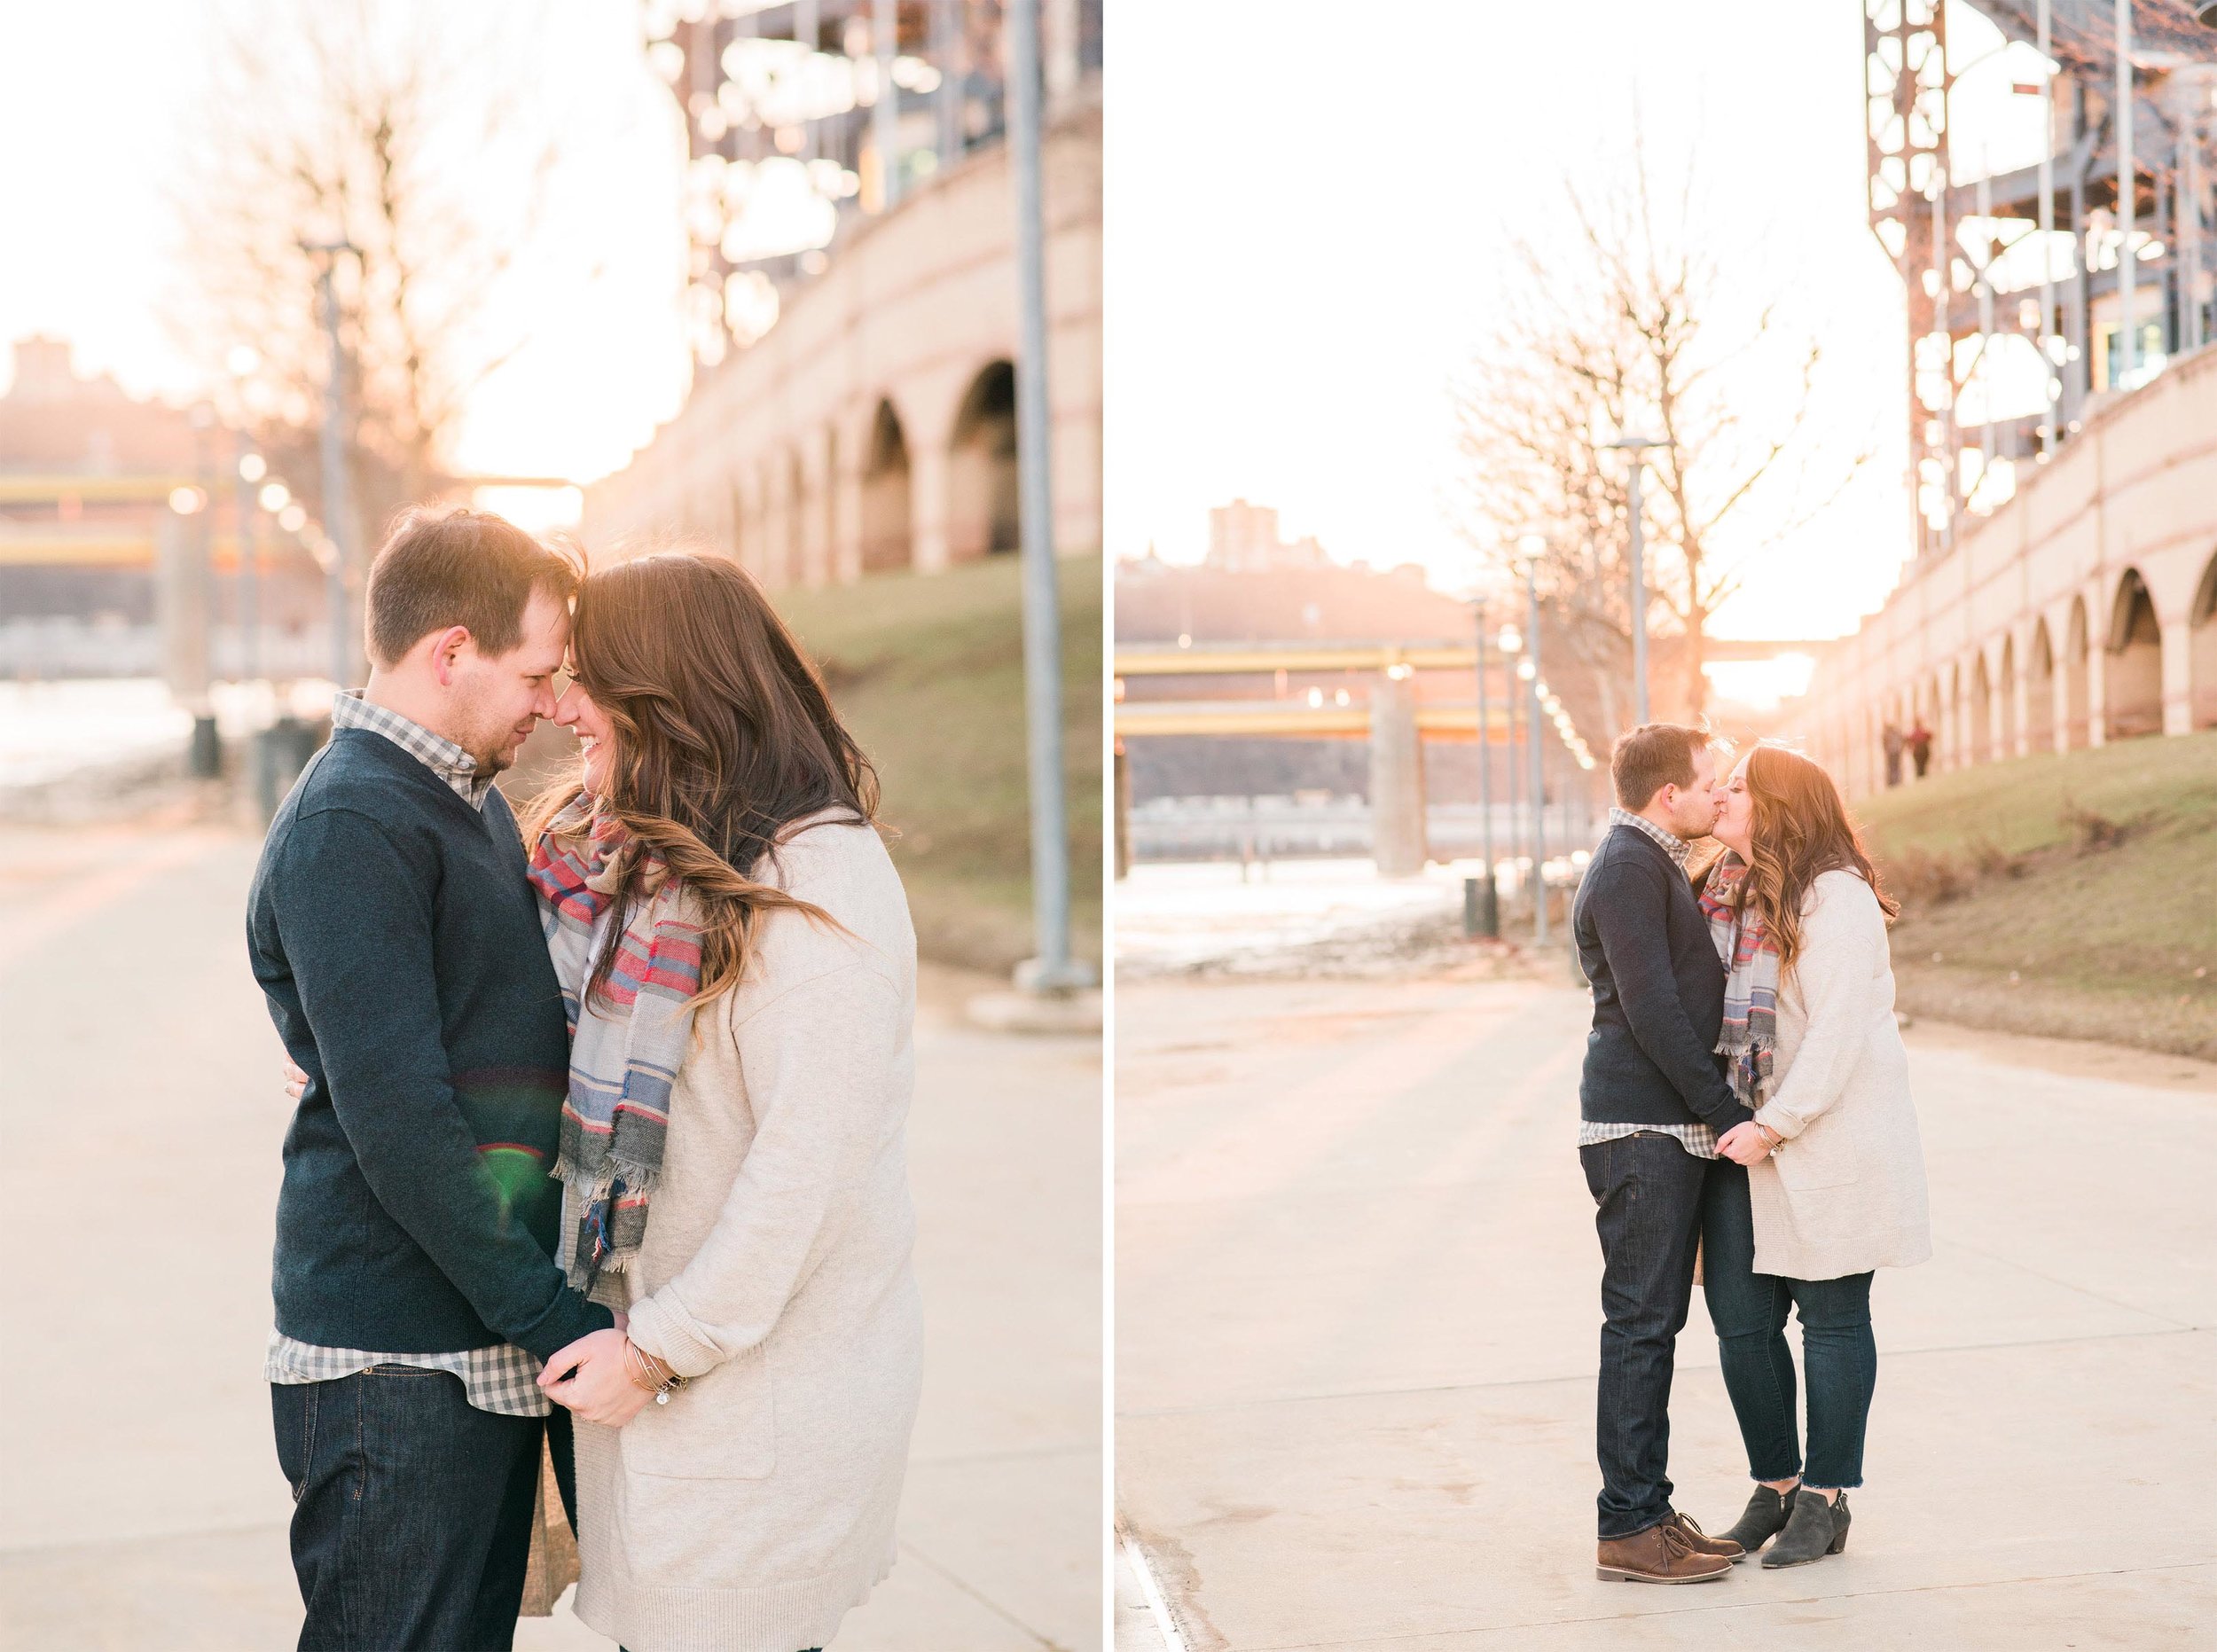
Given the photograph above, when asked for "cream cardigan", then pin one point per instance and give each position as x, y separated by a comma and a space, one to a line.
751, 1511
1844, 1193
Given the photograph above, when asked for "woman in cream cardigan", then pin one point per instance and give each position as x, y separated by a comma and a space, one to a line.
735, 951
1827, 1185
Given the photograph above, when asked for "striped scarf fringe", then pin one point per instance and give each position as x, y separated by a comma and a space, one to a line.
625, 1054
1749, 1036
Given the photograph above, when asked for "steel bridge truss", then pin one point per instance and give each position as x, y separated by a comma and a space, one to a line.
1925, 219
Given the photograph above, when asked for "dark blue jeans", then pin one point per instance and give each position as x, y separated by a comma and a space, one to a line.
1839, 1355
1647, 1196
411, 1523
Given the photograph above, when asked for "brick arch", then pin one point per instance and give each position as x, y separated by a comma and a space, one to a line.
982, 477
2040, 688
887, 530
2133, 670
2078, 644
2201, 649
1980, 710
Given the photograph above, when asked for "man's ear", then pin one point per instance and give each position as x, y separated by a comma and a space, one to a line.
446, 649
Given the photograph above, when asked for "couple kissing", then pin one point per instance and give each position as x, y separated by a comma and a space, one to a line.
1744, 1102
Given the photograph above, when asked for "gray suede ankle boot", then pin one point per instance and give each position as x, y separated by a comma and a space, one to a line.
1765, 1519
1815, 1530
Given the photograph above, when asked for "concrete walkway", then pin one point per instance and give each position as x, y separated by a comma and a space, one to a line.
1357, 1310
143, 1120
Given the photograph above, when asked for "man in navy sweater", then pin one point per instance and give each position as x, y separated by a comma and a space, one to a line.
399, 946
1655, 1105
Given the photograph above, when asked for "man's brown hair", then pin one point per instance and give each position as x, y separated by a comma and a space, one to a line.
1651, 758
438, 568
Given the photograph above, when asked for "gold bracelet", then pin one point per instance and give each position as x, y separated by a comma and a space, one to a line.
636, 1368
639, 1362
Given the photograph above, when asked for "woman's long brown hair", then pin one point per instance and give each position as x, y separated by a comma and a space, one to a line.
1800, 830
724, 737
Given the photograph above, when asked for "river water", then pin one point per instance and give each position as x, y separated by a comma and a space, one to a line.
50, 730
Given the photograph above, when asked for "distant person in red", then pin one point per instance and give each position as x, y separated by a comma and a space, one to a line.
1921, 748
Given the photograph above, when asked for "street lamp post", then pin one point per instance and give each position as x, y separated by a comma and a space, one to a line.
339, 526
2050, 370
249, 569
1532, 546
2127, 194
1638, 446
885, 117
1054, 970
1490, 896
1511, 643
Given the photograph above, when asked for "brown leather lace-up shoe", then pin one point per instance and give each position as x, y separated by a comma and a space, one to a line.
1661, 1554
1703, 1544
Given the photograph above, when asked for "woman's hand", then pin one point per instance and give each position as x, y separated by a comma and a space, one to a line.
602, 1389
1743, 1144
295, 1080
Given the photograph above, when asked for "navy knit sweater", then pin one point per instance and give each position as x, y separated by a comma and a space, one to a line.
1658, 992
400, 948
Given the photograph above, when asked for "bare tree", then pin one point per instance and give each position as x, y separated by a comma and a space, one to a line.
1632, 328
414, 136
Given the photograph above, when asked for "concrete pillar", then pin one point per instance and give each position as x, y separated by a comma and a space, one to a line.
754, 531
1121, 798
929, 475
927, 508
181, 591
1397, 779
2096, 687
775, 525
2020, 695
2178, 676
846, 517
814, 511
1059, 67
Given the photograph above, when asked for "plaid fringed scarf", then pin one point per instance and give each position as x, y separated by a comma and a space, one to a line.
623, 1056
1749, 1033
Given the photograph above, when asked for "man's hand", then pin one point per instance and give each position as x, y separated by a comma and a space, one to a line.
295, 1080
602, 1391
1743, 1144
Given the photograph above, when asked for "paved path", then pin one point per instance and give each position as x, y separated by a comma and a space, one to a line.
1357, 1310
142, 1123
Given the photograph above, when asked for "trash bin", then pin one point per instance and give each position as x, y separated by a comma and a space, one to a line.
280, 752
204, 758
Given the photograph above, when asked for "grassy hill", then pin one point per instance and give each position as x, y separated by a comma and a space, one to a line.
2075, 895
928, 670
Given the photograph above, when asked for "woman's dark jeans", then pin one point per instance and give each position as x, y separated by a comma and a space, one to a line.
1748, 1311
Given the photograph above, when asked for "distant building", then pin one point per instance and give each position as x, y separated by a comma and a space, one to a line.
86, 470
863, 419
1243, 539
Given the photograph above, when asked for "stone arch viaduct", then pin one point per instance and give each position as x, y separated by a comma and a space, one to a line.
2083, 611
873, 428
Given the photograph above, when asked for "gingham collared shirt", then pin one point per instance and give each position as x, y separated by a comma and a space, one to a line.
435, 752
1698, 1139
502, 1378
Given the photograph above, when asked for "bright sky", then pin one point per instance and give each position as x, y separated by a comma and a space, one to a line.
1306, 220
91, 98
1306, 210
